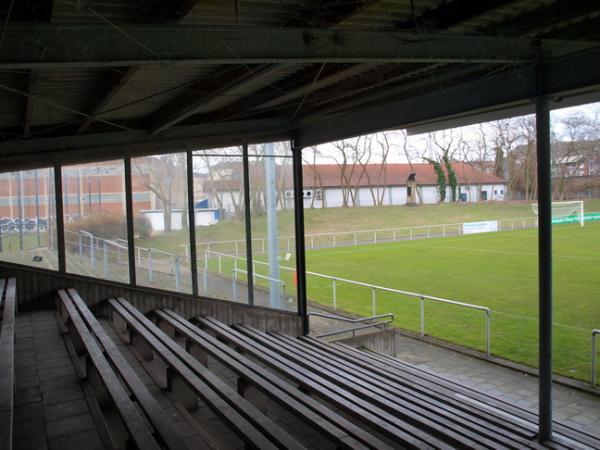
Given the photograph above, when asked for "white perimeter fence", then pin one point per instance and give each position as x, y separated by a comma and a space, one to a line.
357, 237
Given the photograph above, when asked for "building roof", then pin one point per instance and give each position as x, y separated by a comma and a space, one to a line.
333, 175
98, 77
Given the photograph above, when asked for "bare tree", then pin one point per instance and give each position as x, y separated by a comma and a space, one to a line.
164, 176
310, 161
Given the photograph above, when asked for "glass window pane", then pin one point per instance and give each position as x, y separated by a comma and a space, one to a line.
28, 218
273, 232
220, 224
95, 220
160, 214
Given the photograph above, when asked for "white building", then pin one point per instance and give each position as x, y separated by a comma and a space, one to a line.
331, 186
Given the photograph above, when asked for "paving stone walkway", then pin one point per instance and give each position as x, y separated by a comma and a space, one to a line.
572, 407
50, 407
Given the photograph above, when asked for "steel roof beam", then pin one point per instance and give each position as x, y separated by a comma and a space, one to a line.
99, 45
223, 92
508, 89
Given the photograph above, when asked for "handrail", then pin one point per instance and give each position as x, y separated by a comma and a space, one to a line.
347, 320
374, 288
521, 222
594, 334
255, 276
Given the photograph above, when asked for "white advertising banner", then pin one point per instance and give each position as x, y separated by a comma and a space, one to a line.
480, 227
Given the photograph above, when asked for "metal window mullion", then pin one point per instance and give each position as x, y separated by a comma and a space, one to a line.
299, 230
247, 216
129, 219
60, 224
192, 220
544, 182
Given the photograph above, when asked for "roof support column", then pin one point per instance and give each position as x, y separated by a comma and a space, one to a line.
299, 228
248, 221
129, 219
60, 225
192, 220
542, 113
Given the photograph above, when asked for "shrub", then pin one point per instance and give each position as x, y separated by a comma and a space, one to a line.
142, 226
103, 225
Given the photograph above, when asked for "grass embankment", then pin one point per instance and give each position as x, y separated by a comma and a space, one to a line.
352, 219
497, 270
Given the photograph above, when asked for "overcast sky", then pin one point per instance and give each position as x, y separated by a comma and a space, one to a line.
419, 142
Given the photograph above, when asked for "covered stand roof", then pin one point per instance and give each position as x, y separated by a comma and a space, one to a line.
81, 80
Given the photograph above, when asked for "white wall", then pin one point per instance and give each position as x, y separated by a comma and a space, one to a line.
157, 220
394, 195
206, 216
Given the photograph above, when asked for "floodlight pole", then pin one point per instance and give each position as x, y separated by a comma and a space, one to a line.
275, 299
542, 116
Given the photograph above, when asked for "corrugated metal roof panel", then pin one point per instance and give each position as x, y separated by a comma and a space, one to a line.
92, 11
253, 13
67, 88
12, 106
151, 87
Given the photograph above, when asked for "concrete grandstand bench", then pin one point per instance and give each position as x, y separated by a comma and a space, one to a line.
8, 298
395, 431
404, 406
338, 430
163, 429
398, 371
124, 422
189, 380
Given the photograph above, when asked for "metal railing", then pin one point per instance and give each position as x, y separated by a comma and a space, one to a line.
594, 334
359, 237
109, 252
234, 282
374, 288
353, 321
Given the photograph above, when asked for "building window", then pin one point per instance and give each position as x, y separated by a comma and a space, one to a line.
28, 218
161, 222
220, 223
95, 220
272, 223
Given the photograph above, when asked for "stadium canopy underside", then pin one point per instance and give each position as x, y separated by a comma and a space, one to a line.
92, 80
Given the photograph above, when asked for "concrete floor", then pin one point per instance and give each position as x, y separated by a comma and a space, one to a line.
572, 407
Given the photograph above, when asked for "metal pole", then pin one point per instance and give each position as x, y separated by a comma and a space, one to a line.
299, 229
594, 333
234, 285
375, 237
150, 271
60, 224
129, 218
247, 217
177, 273
80, 239
21, 207
206, 272
192, 221
105, 248
219, 262
487, 333
334, 294
542, 115
422, 301
374, 301
334, 241
92, 252
37, 208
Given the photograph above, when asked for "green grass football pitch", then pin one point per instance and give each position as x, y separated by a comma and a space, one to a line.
497, 270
